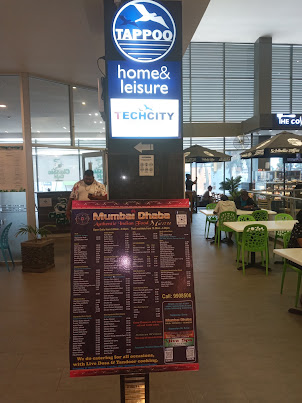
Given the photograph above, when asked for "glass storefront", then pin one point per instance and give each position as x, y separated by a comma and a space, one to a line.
49, 108
88, 124
10, 111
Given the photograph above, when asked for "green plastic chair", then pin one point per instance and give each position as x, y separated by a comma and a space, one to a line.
254, 239
286, 239
210, 219
243, 217
5, 246
225, 216
260, 215
281, 234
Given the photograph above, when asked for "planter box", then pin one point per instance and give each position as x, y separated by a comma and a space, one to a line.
37, 256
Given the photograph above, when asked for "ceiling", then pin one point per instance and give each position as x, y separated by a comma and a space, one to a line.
247, 20
63, 39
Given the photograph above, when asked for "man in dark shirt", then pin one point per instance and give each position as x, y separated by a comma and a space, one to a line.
189, 182
244, 202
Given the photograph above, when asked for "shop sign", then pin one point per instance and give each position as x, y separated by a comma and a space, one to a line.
144, 89
143, 31
287, 120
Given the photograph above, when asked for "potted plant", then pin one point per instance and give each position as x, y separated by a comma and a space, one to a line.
232, 186
38, 252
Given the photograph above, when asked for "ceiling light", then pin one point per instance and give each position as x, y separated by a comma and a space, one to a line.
95, 114
64, 127
6, 131
89, 114
270, 130
94, 121
2, 106
38, 131
83, 103
74, 88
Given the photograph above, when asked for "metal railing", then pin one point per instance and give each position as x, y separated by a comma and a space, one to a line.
279, 203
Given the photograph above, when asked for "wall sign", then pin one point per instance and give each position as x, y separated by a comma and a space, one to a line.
146, 165
132, 288
143, 31
144, 87
12, 168
287, 121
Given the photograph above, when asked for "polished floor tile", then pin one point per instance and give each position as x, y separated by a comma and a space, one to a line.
250, 347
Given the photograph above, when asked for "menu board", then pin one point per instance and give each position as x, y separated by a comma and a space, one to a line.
12, 168
132, 290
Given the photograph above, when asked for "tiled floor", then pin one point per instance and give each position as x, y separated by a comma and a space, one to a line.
250, 347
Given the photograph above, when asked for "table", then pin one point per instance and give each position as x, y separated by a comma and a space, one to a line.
272, 226
294, 255
239, 212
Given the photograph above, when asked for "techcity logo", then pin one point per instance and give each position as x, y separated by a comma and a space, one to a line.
143, 31
291, 119
144, 113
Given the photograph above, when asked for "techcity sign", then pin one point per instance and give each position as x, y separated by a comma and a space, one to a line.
143, 31
288, 120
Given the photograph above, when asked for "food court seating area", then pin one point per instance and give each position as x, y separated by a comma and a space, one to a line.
249, 345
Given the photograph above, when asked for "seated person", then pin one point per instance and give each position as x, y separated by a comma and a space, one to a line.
206, 198
244, 202
225, 205
296, 234
296, 239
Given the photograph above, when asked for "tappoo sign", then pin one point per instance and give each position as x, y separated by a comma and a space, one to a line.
143, 31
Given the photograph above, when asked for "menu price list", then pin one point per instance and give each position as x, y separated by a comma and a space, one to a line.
132, 289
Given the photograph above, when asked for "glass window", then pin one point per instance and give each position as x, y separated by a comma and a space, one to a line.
238, 167
56, 169
49, 107
10, 110
89, 125
209, 174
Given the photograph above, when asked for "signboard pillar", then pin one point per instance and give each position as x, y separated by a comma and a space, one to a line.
132, 296
143, 41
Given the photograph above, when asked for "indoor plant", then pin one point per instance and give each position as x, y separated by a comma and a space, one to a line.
38, 252
232, 186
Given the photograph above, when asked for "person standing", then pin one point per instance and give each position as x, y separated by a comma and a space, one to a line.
189, 182
86, 189
191, 193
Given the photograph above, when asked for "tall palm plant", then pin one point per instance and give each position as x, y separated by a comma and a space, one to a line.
231, 185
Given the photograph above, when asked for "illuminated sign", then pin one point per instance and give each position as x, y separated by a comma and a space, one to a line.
287, 120
144, 102
144, 117
143, 31
145, 84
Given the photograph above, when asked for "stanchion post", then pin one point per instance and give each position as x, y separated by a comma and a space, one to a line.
134, 388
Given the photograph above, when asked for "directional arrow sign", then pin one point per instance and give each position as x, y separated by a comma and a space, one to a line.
143, 147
